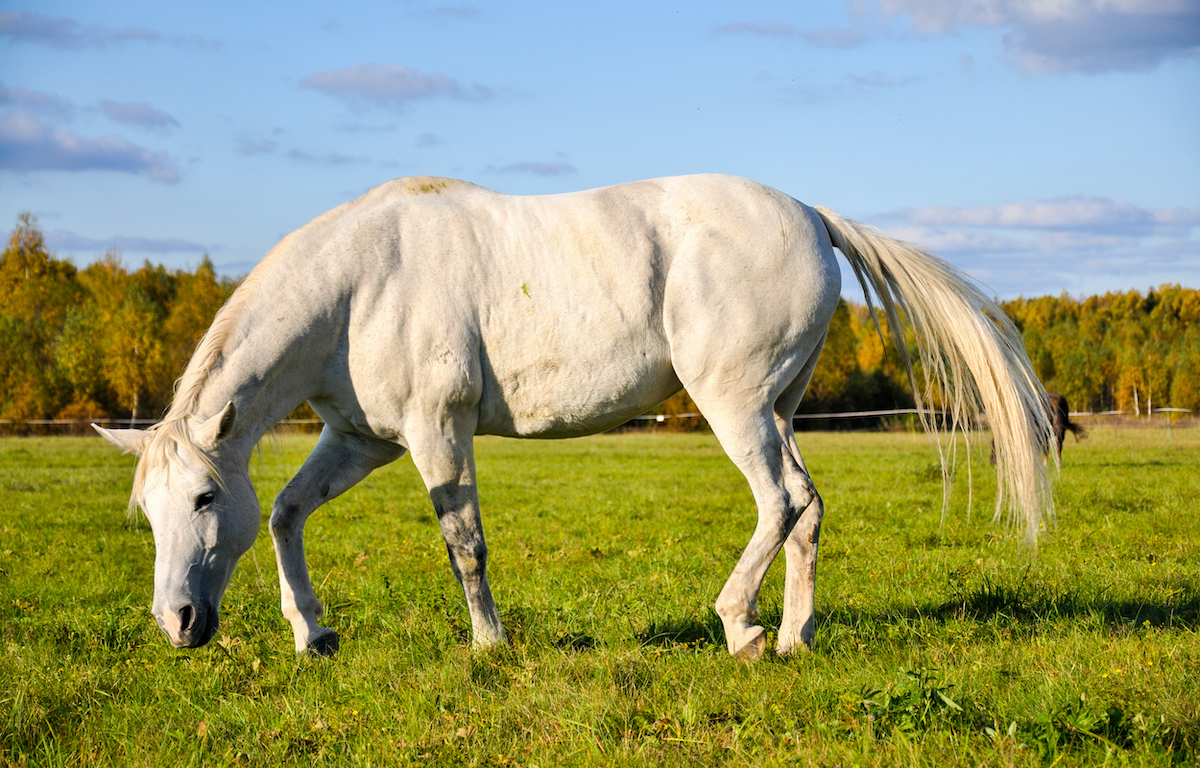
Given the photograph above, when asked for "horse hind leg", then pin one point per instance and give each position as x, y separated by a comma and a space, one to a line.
781, 490
797, 628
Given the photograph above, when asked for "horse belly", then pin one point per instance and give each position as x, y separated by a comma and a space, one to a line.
558, 392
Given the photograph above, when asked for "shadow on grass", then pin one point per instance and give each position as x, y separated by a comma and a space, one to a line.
1031, 609
576, 641
695, 631
992, 599
1126, 464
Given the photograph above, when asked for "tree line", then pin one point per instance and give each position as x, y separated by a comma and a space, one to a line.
107, 341
103, 341
1123, 351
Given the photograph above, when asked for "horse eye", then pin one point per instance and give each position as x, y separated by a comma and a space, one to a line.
204, 499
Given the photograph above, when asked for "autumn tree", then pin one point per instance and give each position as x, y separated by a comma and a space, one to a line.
133, 348
197, 298
36, 293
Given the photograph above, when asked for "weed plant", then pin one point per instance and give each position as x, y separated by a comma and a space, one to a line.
940, 640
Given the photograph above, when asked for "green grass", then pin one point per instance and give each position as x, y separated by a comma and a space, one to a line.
939, 642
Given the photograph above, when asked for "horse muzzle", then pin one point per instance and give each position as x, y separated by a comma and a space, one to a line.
189, 625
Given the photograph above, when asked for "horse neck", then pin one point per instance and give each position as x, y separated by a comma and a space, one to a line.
264, 355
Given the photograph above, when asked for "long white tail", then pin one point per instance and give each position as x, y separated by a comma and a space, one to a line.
971, 353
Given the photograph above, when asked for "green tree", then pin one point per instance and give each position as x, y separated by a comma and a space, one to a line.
80, 357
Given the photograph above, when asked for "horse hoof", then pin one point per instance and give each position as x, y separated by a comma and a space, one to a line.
752, 650
324, 644
792, 649
790, 644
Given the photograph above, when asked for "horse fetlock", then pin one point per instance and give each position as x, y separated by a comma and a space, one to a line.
735, 610
303, 615
470, 569
742, 635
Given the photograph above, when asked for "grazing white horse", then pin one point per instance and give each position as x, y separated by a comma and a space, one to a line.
432, 310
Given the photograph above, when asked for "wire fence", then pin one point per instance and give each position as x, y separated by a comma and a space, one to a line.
872, 419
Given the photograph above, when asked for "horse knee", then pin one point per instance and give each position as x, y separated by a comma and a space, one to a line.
286, 514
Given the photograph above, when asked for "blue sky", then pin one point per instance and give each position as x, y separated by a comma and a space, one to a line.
1042, 145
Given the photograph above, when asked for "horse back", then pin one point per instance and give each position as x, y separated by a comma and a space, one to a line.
566, 314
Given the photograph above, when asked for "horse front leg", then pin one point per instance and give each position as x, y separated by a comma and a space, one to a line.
335, 465
446, 460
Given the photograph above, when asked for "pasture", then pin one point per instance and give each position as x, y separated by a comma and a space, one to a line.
939, 642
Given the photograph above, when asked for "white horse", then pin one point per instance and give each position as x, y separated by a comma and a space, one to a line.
431, 310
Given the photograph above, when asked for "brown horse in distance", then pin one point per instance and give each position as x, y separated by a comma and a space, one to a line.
1060, 417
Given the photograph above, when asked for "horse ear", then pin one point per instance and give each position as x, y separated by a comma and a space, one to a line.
218, 427
128, 440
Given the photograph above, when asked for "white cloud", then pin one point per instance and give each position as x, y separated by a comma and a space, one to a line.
771, 28
65, 240
141, 115
556, 168
1079, 244
941, 240
1039, 35
45, 104
329, 158
1095, 214
851, 83
1068, 35
28, 144
427, 140
388, 86
249, 147
829, 37
68, 34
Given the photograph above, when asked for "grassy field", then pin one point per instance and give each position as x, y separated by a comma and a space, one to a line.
939, 642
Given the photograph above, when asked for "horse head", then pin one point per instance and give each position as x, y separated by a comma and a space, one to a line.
203, 512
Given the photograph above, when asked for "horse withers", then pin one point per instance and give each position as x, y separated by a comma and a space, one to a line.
431, 310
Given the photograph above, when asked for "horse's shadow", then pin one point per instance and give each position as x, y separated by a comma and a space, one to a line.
1030, 614
695, 631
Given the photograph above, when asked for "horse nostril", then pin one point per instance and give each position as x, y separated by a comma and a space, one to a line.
185, 618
